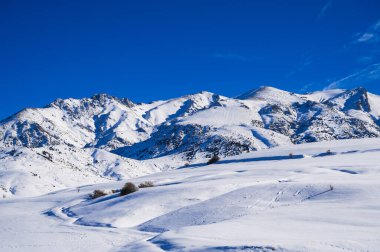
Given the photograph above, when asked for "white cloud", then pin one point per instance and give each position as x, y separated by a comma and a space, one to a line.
323, 10
333, 85
365, 37
376, 26
364, 76
372, 35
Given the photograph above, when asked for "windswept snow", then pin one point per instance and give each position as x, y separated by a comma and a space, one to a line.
322, 197
322, 96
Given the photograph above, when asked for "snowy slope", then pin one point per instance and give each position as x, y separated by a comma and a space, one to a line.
315, 200
35, 171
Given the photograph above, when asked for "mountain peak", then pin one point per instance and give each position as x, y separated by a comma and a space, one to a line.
361, 90
102, 97
356, 99
251, 94
271, 94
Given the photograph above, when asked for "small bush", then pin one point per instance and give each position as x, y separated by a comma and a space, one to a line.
128, 188
97, 194
146, 184
213, 160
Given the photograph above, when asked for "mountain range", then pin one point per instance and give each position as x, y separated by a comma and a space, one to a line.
72, 142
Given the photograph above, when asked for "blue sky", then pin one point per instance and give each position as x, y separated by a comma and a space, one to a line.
149, 50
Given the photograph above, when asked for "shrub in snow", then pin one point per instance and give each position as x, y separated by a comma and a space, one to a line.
146, 184
128, 188
214, 159
97, 194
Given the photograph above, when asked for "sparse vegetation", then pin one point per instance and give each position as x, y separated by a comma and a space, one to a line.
12, 152
97, 193
128, 188
213, 160
46, 155
146, 184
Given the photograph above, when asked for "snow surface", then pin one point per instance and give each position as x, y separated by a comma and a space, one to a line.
270, 94
30, 172
321, 96
323, 197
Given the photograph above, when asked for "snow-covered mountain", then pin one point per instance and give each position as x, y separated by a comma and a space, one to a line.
78, 141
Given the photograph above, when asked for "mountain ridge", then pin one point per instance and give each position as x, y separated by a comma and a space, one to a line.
167, 134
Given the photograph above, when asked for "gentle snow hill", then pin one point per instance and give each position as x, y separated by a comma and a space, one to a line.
30, 171
323, 197
141, 138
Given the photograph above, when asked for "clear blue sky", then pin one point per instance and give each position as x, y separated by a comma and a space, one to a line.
148, 50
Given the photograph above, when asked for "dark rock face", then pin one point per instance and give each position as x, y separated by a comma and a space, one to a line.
189, 140
279, 118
